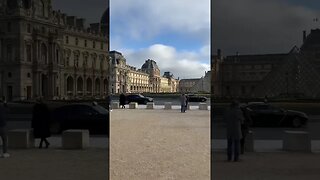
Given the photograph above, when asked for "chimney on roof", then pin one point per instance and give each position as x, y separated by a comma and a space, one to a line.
304, 36
219, 54
71, 20
80, 22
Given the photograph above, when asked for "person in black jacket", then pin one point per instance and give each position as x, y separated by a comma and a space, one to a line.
3, 129
122, 100
41, 122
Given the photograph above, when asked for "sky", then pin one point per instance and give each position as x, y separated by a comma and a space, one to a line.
260, 26
174, 33
91, 10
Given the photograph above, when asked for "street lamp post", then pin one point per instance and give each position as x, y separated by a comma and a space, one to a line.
287, 83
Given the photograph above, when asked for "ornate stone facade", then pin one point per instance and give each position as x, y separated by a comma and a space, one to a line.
128, 79
47, 53
293, 74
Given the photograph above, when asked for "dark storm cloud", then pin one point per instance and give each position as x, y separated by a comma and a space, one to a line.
91, 10
259, 26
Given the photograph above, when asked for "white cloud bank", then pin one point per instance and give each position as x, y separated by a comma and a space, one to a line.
146, 19
183, 64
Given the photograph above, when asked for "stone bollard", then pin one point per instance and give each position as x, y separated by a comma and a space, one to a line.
296, 141
75, 139
249, 142
167, 105
203, 106
188, 106
21, 138
133, 105
115, 105
150, 105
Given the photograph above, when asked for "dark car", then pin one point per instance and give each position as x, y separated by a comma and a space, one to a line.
93, 117
140, 99
196, 98
264, 114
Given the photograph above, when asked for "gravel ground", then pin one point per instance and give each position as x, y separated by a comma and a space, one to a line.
159, 144
267, 166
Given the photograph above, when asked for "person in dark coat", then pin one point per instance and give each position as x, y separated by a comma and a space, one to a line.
109, 102
41, 122
245, 129
122, 100
187, 101
3, 129
234, 118
183, 102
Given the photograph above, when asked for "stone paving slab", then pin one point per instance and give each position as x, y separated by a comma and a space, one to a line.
267, 166
55, 164
262, 145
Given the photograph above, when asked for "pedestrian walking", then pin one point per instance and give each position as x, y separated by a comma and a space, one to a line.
3, 129
41, 122
109, 103
265, 100
183, 101
122, 100
187, 101
233, 117
244, 129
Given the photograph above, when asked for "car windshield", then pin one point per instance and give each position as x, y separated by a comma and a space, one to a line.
100, 109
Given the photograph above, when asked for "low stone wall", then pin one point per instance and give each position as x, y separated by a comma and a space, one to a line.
21, 138
167, 105
75, 139
296, 141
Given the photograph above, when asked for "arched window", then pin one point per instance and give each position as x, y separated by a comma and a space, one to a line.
41, 9
26, 4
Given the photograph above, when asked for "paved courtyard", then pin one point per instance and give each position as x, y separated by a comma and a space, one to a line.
159, 144
55, 164
266, 166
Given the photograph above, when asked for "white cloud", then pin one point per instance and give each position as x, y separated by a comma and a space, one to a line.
146, 19
181, 63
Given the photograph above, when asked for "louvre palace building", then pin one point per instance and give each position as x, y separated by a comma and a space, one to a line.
44, 52
129, 79
291, 74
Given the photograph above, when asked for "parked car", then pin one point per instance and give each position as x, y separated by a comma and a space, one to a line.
264, 114
196, 98
93, 117
140, 99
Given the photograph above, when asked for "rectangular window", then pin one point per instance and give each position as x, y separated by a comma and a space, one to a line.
85, 43
28, 52
77, 41
67, 39
101, 45
28, 28
93, 44
9, 52
9, 27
